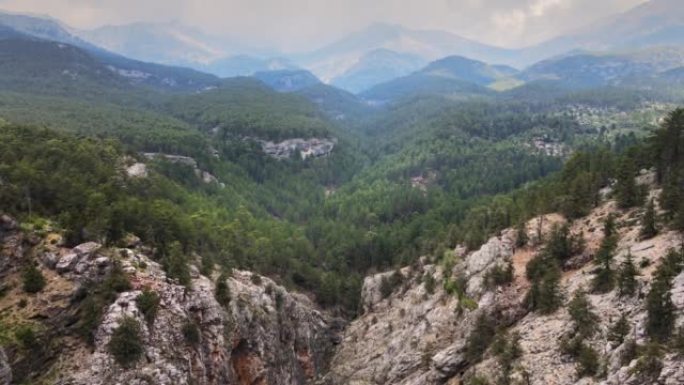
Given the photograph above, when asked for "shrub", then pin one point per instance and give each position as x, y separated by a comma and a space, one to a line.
126, 342
256, 279
521, 238
649, 366
175, 264
191, 333
587, 361
223, 294
279, 299
629, 352
116, 282
619, 330
32, 279
480, 338
27, 337
499, 275
148, 304
430, 283
388, 285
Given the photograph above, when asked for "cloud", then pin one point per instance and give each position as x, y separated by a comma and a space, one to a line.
304, 24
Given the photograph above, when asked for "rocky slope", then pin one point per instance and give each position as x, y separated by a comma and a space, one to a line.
415, 326
264, 335
416, 335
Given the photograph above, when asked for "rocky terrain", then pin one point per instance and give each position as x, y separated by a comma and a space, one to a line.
415, 326
305, 148
139, 169
416, 335
263, 335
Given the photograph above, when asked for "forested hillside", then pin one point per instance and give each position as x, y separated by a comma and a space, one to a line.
420, 174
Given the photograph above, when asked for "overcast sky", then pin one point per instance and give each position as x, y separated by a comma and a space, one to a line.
304, 24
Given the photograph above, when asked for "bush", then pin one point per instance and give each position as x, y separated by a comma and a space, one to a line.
148, 304
256, 279
27, 337
587, 361
32, 279
222, 294
116, 282
191, 333
175, 264
480, 338
619, 330
126, 342
649, 366
388, 285
430, 283
499, 275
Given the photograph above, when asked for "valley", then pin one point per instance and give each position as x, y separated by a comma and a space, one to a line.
171, 213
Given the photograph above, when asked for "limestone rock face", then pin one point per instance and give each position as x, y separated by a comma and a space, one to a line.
265, 335
414, 337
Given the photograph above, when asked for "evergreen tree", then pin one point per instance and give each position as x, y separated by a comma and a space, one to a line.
32, 279
609, 228
619, 330
521, 238
480, 338
627, 283
648, 222
176, 265
604, 280
544, 295
626, 190
126, 342
582, 313
661, 310
148, 304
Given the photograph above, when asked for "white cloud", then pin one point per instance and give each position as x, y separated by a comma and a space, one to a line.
303, 24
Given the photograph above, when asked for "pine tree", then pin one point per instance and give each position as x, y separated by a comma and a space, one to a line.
581, 312
32, 279
175, 264
480, 338
126, 342
521, 238
627, 283
661, 310
626, 190
604, 280
609, 226
619, 330
648, 222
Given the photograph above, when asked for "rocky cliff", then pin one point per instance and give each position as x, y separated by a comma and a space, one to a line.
417, 324
262, 335
418, 333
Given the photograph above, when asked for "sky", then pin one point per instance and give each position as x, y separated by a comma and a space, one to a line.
291, 25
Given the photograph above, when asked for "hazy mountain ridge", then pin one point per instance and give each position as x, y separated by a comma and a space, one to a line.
376, 67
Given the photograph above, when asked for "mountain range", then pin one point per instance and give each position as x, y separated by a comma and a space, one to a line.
391, 57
